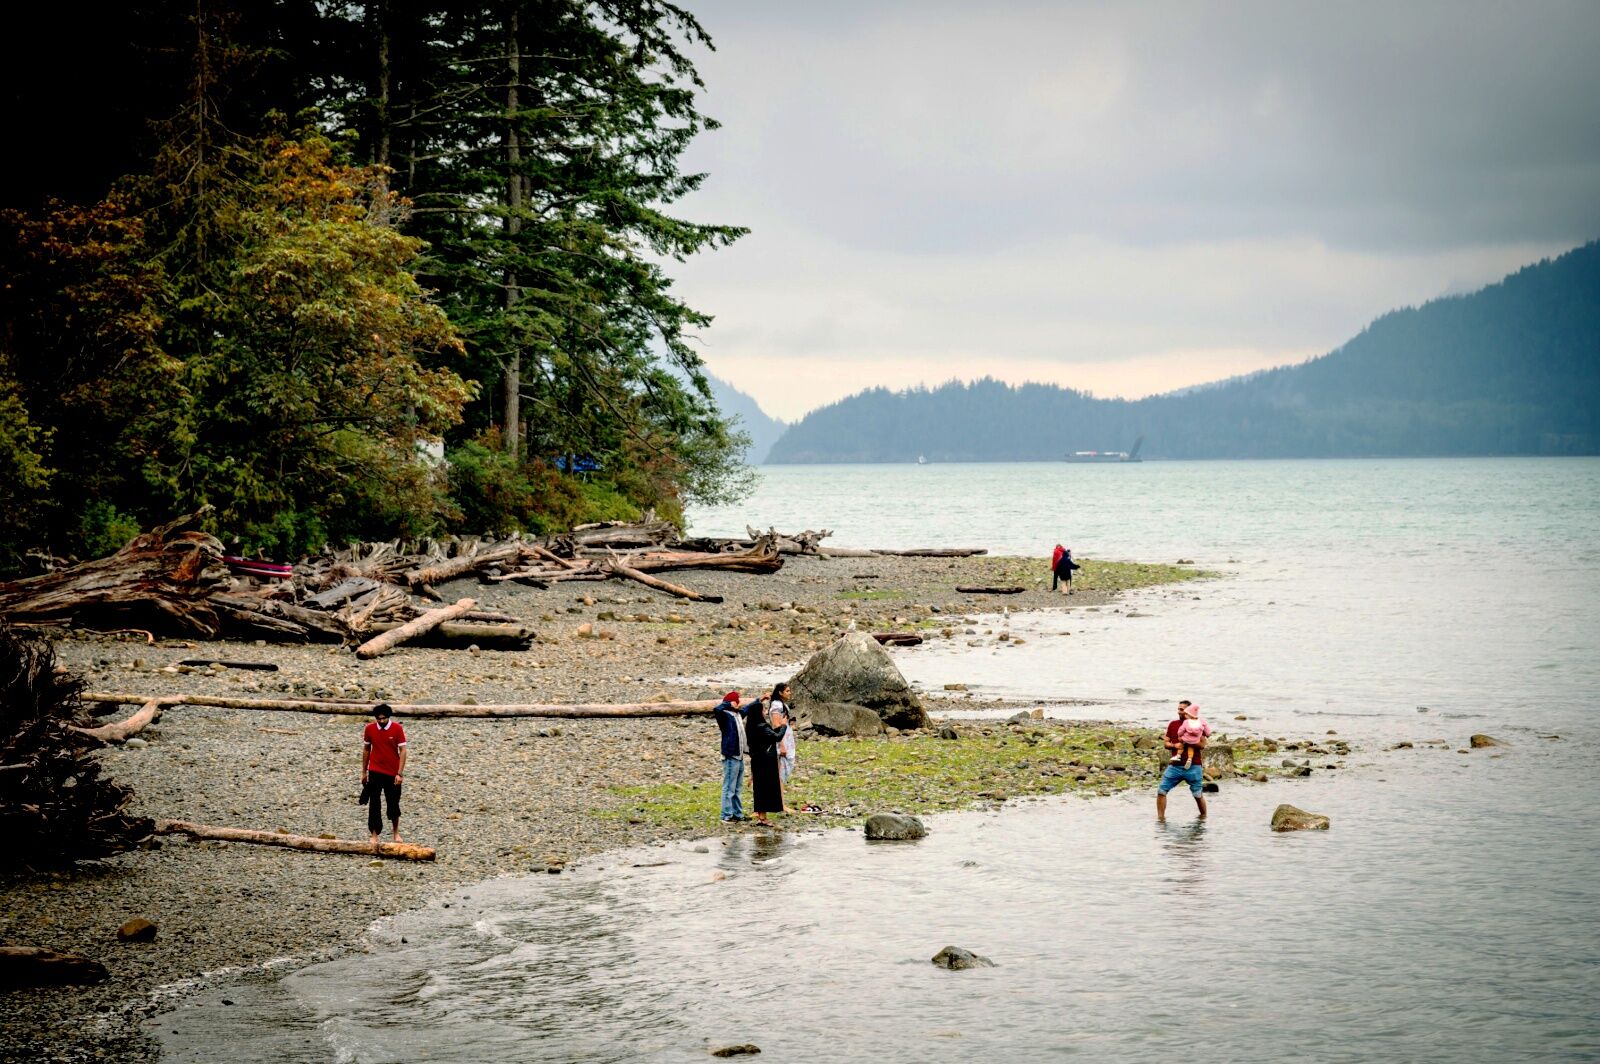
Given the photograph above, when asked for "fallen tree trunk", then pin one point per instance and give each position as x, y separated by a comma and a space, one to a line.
361, 709
761, 558
404, 850
461, 565
457, 635
124, 730
614, 534
616, 566
934, 552
413, 628
162, 572
33, 966
981, 590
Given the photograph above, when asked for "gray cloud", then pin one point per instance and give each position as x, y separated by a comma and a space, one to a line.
1331, 160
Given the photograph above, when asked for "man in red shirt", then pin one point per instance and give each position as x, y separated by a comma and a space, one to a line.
1172, 775
383, 764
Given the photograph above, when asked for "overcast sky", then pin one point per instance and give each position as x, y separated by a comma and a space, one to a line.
1123, 198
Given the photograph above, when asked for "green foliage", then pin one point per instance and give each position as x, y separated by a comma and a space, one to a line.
243, 320
103, 529
494, 493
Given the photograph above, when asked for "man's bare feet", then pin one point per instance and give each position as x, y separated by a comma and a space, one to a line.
397, 837
375, 840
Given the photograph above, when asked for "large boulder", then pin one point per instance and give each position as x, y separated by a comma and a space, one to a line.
840, 718
854, 669
958, 960
1480, 741
894, 827
1218, 761
1289, 818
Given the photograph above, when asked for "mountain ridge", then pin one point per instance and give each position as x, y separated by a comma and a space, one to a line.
1512, 368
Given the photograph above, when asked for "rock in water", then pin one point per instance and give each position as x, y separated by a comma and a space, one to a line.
841, 718
893, 826
1288, 818
1480, 740
1218, 761
137, 930
957, 959
856, 670
736, 1051
32, 966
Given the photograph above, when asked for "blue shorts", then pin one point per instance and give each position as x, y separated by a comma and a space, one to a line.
1194, 775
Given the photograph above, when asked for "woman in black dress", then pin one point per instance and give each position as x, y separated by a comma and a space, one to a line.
763, 740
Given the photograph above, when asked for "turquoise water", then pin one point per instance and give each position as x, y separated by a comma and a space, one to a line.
1452, 913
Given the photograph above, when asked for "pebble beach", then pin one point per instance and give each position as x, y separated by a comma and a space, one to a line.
495, 797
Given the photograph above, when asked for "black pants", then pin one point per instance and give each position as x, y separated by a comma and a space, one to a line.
381, 784
1056, 576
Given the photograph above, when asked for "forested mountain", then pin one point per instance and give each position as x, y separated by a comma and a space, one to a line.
260, 251
1511, 369
745, 414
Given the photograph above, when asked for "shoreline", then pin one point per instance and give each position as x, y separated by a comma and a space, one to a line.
497, 797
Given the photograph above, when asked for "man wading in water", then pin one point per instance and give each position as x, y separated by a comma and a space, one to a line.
1193, 775
383, 761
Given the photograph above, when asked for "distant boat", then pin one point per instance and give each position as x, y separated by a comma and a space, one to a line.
922, 460
1108, 456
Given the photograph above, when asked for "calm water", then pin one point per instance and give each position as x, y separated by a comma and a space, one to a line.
1452, 913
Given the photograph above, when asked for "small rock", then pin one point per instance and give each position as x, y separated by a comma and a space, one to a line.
1480, 740
1240, 716
137, 930
1210, 788
1401, 746
955, 687
136, 743
894, 827
957, 959
947, 732
585, 630
1289, 818
1303, 770
743, 1049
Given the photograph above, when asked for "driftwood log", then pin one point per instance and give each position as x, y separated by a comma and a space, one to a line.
413, 628
981, 590
361, 709
897, 639
462, 565
617, 566
403, 850
33, 966
457, 635
122, 731
934, 552
163, 572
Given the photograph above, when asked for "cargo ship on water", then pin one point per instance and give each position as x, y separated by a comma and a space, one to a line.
1108, 456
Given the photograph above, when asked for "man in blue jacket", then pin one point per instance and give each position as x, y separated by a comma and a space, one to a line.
731, 724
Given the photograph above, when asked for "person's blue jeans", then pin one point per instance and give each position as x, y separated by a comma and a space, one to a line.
1194, 776
732, 779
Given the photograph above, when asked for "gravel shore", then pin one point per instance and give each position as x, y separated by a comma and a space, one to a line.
494, 796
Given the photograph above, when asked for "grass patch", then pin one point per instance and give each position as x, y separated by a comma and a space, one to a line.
875, 594
922, 773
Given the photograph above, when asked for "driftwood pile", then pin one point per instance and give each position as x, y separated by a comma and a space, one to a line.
55, 807
363, 595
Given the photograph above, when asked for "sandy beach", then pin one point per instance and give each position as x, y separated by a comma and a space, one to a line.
495, 797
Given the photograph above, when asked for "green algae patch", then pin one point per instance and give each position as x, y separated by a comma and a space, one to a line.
922, 773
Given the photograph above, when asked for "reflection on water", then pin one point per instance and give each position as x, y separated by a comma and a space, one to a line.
1452, 913
1184, 845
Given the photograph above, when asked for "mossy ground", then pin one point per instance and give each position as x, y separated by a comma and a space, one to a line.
922, 773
